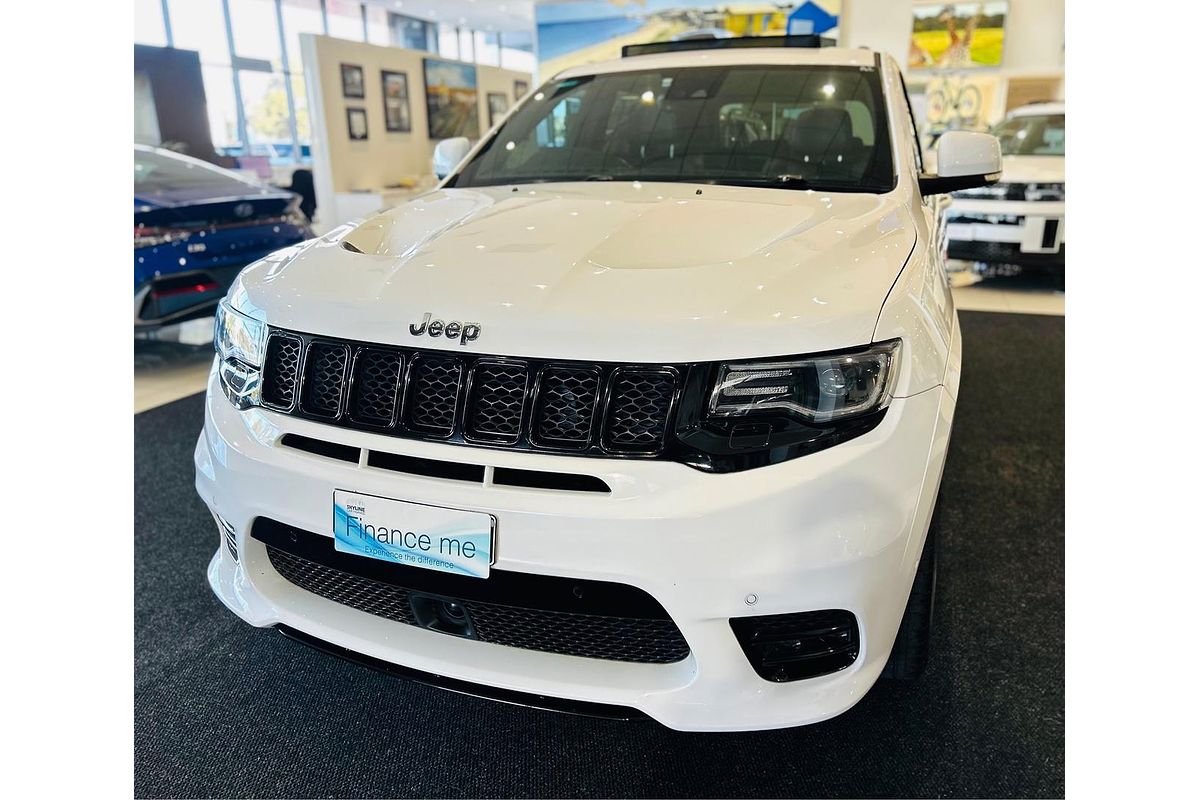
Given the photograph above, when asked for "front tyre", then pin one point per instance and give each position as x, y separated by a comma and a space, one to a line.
911, 650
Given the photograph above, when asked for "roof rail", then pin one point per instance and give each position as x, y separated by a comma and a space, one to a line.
649, 48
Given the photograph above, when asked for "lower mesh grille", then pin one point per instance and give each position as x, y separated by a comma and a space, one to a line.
613, 638
342, 587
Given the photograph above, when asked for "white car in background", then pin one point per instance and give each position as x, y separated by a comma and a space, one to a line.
1022, 220
642, 411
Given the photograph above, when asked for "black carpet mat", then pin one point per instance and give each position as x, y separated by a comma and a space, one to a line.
226, 710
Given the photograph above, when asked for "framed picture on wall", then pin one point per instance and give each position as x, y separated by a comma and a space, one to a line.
497, 106
452, 97
957, 36
519, 89
356, 124
352, 81
397, 116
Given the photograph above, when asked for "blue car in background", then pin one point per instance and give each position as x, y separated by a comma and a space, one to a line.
195, 225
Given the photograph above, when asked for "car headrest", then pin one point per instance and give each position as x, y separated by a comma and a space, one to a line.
820, 130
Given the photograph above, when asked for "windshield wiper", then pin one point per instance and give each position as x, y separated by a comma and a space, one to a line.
785, 181
799, 182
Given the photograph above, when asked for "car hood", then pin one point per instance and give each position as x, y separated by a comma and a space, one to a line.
601, 271
1034, 169
176, 196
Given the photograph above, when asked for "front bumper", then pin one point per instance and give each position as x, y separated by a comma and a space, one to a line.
1007, 231
842, 528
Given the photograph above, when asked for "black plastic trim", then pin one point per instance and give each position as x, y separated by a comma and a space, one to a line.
732, 43
1005, 253
319, 447
1049, 233
768, 642
559, 481
426, 467
937, 184
540, 701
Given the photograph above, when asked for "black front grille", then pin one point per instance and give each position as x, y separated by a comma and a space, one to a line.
590, 619
591, 409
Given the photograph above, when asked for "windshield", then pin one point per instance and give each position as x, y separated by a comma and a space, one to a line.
791, 126
1042, 135
157, 172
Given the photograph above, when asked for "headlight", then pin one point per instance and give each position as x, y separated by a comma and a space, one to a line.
816, 389
240, 342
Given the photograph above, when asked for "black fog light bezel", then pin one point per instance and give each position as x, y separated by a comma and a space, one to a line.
808, 644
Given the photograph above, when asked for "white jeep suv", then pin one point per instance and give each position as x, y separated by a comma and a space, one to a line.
642, 411
1021, 221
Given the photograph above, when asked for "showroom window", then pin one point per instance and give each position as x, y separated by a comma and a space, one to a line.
253, 67
345, 19
378, 30
415, 34
255, 34
300, 16
200, 25
222, 104
448, 44
148, 24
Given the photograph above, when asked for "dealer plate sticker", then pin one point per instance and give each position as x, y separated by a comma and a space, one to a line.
432, 537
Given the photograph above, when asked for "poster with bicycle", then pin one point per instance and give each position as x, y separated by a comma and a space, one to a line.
960, 101
957, 36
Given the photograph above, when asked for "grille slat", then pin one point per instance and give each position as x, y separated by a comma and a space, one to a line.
465, 398
377, 375
498, 393
613, 638
433, 394
282, 369
567, 405
324, 378
638, 409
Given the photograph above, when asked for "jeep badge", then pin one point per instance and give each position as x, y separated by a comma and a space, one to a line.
463, 331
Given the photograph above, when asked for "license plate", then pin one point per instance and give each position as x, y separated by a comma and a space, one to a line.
417, 535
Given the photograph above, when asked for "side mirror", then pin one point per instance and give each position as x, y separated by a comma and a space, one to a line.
965, 159
447, 155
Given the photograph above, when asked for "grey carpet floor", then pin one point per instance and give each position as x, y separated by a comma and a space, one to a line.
226, 710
